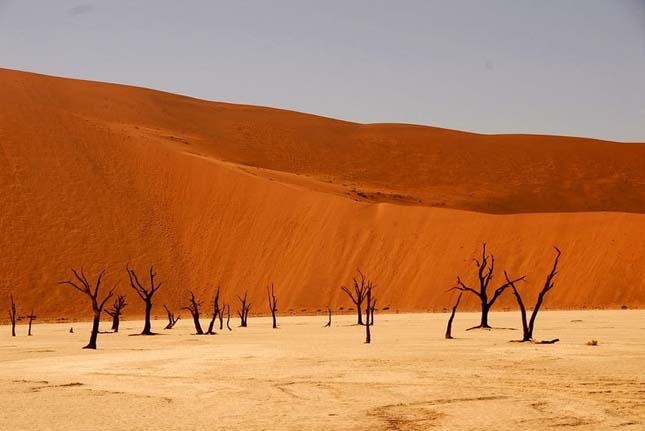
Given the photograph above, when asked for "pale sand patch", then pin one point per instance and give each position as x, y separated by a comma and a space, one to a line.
306, 377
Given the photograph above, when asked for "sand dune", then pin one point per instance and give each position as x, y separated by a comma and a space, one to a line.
98, 175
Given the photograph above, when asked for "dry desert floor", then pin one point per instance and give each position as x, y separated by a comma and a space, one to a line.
306, 377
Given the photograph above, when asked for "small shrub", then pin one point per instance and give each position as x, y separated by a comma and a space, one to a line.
592, 343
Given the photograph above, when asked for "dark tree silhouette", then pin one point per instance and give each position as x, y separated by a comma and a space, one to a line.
12, 316
221, 317
31, 318
485, 270
358, 296
368, 313
528, 326
273, 304
145, 294
116, 311
328, 324
193, 307
172, 320
81, 284
228, 316
243, 312
452, 317
216, 313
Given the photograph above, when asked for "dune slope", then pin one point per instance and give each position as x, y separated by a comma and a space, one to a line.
101, 175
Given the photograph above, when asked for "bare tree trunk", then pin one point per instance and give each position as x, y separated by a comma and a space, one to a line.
95, 332
146, 295
31, 317
244, 310
273, 305
83, 285
528, 326
216, 311
12, 316
171, 318
228, 316
358, 295
328, 318
485, 269
193, 308
452, 317
368, 334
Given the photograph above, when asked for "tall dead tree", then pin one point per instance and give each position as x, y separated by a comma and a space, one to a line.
146, 294
31, 318
172, 320
81, 284
216, 313
273, 304
193, 307
116, 311
221, 317
243, 312
368, 309
328, 324
452, 317
12, 316
528, 326
485, 269
358, 296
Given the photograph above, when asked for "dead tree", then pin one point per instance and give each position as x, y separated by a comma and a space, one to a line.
216, 312
273, 305
228, 316
81, 284
172, 320
485, 270
528, 326
452, 317
12, 316
368, 324
116, 311
328, 324
193, 307
243, 312
145, 294
358, 296
31, 318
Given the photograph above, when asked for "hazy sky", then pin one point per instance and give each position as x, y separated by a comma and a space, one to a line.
560, 67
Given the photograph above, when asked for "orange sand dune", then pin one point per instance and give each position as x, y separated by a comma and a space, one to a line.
100, 175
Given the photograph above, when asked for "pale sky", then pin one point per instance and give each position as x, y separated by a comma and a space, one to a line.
569, 67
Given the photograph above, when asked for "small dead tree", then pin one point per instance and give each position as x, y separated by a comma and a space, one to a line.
172, 320
116, 311
328, 324
221, 317
368, 313
452, 317
528, 326
145, 294
216, 313
485, 269
193, 307
228, 316
31, 318
12, 316
81, 284
243, 312
273, 304
358, 296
